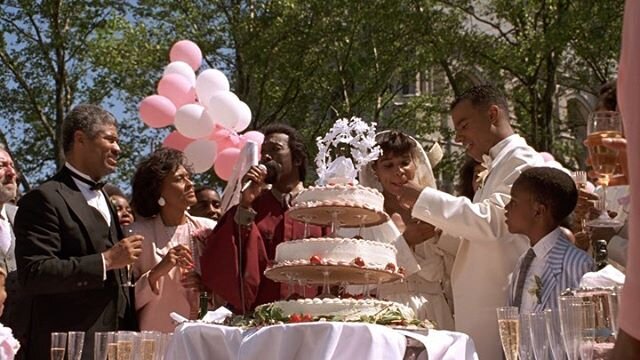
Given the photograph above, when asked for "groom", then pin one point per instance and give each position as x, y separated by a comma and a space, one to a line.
488, 252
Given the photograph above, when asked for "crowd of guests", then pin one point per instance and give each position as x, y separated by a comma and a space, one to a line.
78, 242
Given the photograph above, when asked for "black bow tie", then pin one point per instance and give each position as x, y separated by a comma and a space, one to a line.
95, 186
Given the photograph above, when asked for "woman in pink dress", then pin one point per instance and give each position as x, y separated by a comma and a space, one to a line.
167, 278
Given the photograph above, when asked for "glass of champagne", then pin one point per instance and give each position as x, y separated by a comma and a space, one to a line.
571, 325
125, 345
127, 230
75, 345
58, 345
112, 345
149, 345
603, 125
509, 328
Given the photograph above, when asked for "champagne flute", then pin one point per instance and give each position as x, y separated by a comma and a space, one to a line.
126, 345
538, 331
571, 325
127, 230
603, 125
552, 322
149, 348
75, 345
509, 328
104, 346
58, 345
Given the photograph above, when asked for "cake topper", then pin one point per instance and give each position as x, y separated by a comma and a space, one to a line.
352, 138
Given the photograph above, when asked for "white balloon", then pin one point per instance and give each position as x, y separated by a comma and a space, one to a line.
201, 154
182, 68
193, 121
245, 117
224, 107
208, 82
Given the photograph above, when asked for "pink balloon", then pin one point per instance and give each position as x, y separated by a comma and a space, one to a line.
225, 138
255, 136
177, 88
187, 51
547, 157
182, 68
225, 162
177, 141
157, 111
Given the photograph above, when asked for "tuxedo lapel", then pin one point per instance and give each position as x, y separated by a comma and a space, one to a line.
78, 205
551, 276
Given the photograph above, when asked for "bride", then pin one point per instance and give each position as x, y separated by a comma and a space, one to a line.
404, 160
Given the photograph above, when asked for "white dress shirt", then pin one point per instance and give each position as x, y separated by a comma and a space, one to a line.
5, 231
96, 199
541, 249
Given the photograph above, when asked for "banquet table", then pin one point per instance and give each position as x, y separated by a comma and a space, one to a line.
313, 341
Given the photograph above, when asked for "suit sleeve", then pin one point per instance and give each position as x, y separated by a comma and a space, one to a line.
221, 265
458, 216
42, 267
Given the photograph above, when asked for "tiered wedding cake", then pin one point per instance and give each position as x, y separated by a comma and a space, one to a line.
338, 201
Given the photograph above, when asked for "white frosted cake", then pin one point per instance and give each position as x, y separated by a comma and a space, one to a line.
346, 195
345, 309
360, 253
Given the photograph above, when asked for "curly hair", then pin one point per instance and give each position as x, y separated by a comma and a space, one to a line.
483, 96
551, 187
148, 178
395, 142
296, 145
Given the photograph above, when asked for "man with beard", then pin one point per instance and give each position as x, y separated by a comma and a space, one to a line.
252, 229
70, 250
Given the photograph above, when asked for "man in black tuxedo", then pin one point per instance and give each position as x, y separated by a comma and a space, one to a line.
70, 251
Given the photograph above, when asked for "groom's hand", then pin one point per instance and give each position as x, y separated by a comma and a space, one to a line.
409, 194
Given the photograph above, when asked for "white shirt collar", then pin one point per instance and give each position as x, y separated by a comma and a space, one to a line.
497, 151
82, 175
542, 247
3, 213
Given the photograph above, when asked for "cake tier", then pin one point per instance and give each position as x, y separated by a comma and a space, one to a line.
318, 204
337, 251
341, 309
355, 261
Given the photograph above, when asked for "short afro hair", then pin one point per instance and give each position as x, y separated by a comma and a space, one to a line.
483, 96
551, 187
148, 178
296, 145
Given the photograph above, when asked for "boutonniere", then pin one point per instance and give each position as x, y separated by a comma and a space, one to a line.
537, 289
481, 177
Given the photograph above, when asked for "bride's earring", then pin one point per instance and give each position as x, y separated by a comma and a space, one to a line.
161, 201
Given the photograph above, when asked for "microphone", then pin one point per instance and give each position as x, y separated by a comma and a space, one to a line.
273, 173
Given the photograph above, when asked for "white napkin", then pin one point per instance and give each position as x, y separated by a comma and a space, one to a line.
217, 316
607, 277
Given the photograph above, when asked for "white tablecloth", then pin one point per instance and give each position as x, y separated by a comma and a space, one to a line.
310, 341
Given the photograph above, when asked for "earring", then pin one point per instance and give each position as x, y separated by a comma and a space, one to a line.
161, 201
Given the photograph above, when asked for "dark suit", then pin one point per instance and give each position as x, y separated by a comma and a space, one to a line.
59, 242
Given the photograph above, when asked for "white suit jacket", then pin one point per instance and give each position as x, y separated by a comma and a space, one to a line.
488, 252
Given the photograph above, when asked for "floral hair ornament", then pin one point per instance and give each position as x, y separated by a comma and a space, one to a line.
348, 141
